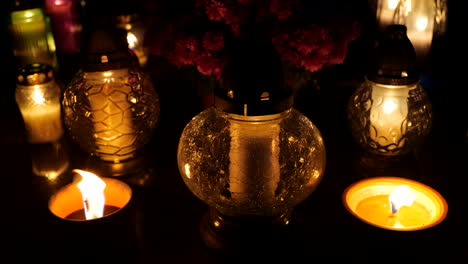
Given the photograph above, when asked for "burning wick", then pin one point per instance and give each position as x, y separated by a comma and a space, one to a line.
89, 197
395, 203
92, 190
402, 195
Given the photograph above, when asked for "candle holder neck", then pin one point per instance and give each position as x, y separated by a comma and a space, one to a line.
246, 235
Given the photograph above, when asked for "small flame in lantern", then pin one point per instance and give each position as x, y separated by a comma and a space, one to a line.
132, 40
92, 191
389, 106
38, 97
421, 23
392, 4
59, 2
400, 196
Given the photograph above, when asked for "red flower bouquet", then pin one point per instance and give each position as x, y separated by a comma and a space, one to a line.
196, 33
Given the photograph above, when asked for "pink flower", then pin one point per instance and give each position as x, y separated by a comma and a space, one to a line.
282, 9
213, 41
197, 37
185, 52
215, 10
208, 64
245, 2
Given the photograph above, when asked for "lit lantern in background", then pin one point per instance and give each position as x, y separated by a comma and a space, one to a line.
38, 98
424, 19
251, 155
135, 35
390, 114
65, 24
32, 37
111, 107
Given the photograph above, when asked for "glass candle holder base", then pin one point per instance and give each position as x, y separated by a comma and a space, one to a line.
247, 235
50, 160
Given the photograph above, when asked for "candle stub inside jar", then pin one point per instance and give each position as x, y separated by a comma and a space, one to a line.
80, 213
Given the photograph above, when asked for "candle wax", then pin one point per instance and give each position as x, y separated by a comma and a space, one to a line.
43, 124
80, 214
376, 209
254, 155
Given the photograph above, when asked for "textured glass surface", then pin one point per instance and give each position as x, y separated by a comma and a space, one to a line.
41, 111
111, 114
389, 120
260, 165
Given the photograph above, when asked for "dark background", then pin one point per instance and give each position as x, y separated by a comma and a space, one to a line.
161, 225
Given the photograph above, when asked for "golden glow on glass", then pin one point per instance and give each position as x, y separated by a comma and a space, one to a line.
421, 23
387, 114
187, 170
389, 106
38, 96
107, 74
392, 4
29, 14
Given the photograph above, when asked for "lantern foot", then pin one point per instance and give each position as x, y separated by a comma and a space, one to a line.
248, 235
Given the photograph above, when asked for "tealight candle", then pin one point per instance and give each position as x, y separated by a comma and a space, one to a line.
90, 198
395, 203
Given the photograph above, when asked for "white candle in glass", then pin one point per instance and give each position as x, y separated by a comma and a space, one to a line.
254, 158
43, 123
41, 111
388, 113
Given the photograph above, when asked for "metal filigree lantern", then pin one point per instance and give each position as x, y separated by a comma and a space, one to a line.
111, 107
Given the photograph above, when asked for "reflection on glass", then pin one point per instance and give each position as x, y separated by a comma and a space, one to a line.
49, 160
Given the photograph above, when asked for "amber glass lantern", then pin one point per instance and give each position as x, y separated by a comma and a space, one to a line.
251, 157
390, 114
111, 107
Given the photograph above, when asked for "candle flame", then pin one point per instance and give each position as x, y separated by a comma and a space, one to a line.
389, 106
132, 40
400, 196
92, 191
421, 23
38, 96
392, 4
